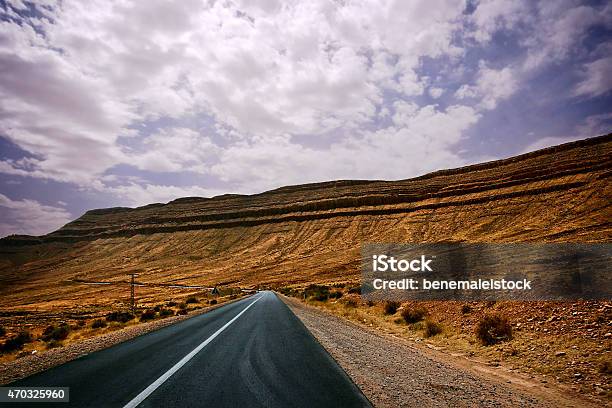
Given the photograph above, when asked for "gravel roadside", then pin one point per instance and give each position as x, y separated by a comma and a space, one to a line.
392, 373
32, 364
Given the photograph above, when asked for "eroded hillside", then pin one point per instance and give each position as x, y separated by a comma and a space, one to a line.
311, 232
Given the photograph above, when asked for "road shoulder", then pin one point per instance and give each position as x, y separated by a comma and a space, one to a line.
394, 372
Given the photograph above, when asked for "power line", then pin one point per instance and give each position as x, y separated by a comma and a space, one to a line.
132, 301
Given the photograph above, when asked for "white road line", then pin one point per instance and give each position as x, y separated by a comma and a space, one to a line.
147, 391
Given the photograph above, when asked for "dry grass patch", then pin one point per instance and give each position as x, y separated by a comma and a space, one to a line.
414, 315
390, 307
493, 329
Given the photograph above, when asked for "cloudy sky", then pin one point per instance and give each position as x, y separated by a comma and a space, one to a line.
125, 103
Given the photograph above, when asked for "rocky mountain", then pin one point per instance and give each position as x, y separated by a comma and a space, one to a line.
313, 232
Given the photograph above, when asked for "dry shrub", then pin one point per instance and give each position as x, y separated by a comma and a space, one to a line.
350, 302
335, 294
390, 307
98, 324
16, 342
121, 317
413, 315
432, 328
493, 329
319, 293
605, 367
54, 344
147, 315
56, 333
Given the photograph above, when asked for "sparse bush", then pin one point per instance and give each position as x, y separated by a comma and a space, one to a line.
56, 333
2, 331
182, 312
355, 290
166, 312
335, 294
350, 302
157, 308
81, 323
493, 328
605, 367
191, 299
121, 317
213, 301
413, 315
171, 303
370, 303
54, 344
465, 309
48, 330
317, 292
16, 342
432, 328
182, 306
148, 314
98, 323
390, 307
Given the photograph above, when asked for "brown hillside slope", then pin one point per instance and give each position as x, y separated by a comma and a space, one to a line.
312, 232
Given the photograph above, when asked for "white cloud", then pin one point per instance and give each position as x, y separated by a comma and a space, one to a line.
29, 217
436, 92
491, 86
135, 195
548, 142
595, 125
558, 29
224, 89
174, 150
52, 109
493, 15
404, 112
466, 91
597, 78
419, 140
91, 71
550, 32
495, 85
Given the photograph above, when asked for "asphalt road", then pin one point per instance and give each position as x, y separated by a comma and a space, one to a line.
254, 352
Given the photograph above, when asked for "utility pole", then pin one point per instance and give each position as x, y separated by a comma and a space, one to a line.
132, 302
